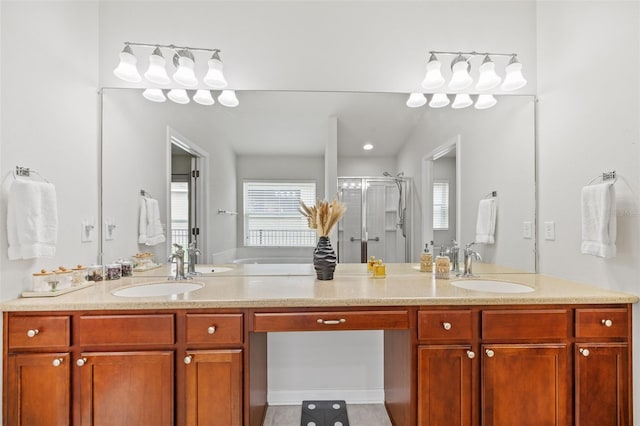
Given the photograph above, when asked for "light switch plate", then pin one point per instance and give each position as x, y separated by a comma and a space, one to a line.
87, 230
550, 231
526, 230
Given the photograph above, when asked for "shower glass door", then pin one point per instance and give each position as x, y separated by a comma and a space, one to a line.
371, 224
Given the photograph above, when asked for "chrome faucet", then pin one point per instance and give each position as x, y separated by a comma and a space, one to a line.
455, 256
178, 258
193, 252
469, 255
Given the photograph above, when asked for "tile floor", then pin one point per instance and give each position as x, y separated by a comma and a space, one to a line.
359, 415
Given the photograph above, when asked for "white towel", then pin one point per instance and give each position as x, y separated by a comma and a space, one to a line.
486, 222
150, 228
599, 220
32, 219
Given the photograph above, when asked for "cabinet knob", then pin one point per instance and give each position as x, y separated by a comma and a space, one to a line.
446, 325
57, 362
489, 353
584, 351
471, 354
188, 359
607, 322
211, 329
33, 332
331, 322
80, 362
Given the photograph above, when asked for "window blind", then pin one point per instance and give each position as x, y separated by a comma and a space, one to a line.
441, 205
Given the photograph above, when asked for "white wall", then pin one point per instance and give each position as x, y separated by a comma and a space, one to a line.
589, 117
366, 166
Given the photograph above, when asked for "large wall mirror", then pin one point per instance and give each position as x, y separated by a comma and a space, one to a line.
281, 138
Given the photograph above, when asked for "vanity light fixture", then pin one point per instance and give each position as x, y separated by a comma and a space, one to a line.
514, 79
462, 100
460, 78
434, 78
203, 97
487, 78
126, 69
416, 100
178, 96
215, 78
485, 101
228, 98
439, 100
157, 73
185, 63
154, 95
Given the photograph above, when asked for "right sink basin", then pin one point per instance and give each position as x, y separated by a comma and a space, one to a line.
492, 286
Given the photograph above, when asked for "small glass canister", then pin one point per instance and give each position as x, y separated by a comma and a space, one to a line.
41, 280
96, 273
64, 277
126, 268
114, 271
78, 275
443, 265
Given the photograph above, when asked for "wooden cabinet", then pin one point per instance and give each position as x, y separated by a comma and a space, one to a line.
126, 388
213, 385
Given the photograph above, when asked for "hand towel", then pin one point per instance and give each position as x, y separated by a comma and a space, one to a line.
486, 221
599, 220
32, 219
151, 232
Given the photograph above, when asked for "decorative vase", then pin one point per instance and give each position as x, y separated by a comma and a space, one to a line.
324, 259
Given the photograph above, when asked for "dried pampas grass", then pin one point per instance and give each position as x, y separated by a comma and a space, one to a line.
323, 216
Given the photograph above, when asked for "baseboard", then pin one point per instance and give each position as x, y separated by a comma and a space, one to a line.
373, 396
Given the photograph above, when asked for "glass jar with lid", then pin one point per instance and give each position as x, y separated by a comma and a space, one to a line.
41, 279
79, 275
96, 273
64, 276
114, 271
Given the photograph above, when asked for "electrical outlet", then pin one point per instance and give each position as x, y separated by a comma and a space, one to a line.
550, 231
526, 230
87, 230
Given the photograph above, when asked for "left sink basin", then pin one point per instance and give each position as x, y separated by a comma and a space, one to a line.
158, 288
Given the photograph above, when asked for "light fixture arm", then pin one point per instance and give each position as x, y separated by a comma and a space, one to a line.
173, 47
472, 53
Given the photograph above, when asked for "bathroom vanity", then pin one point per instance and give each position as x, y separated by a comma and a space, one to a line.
559, 355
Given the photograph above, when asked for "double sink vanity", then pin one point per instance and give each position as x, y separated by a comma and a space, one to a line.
502, 349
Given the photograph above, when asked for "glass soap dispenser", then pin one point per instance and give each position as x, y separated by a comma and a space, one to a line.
426, 260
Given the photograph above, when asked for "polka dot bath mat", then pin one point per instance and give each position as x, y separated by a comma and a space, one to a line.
324, 413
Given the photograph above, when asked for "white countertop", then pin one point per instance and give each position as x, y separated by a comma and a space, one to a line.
282, 286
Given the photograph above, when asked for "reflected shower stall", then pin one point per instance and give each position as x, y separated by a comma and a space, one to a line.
376, 222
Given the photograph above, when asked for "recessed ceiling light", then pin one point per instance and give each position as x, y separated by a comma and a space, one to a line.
367, 147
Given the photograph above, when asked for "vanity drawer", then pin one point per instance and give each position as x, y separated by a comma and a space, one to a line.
328, 321
39, 332
445, 325
131, 330
541, 324
214, 329
600, 323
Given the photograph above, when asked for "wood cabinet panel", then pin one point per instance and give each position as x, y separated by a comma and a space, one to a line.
526, 324
525, 385
602, 323
214, 388
126, 388
39, 332
445, 325
331, 321
445, 385
214, 329
129, 330
39, 389
602, 385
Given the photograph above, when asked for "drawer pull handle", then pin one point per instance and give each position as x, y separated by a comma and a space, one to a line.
331, 322
211, 329
446, 325
584, 351
32, 333
80, 362
57, 362
489, 353
188, 359
607, 322
471, 354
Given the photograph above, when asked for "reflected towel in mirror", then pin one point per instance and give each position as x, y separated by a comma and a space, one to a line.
486, 222
598, 205
150, 230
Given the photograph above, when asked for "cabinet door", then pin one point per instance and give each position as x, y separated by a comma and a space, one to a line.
39, 389
602, 383
445, 385
214, 387
126, 388
525, 385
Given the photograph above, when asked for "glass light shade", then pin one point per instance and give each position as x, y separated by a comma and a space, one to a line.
462, 100
416, 100
157, 73
460, 78
203, 97
154, 95
215, 77
433, 79
184, 74
513, 80
488, 79
228, 98
126, 69
485, 102
178, 96
439, 100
